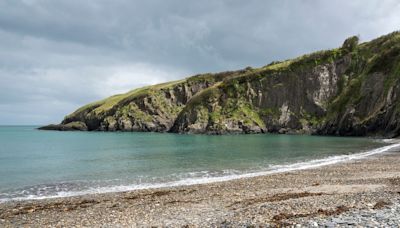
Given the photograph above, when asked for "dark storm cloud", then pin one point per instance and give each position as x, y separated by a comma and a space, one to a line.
58, 55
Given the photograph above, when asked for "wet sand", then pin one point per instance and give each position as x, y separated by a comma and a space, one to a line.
297, 197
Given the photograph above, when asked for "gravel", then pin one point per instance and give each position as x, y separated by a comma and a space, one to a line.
386, 217
359, 193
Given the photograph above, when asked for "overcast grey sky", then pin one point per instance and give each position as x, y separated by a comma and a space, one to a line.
56, 55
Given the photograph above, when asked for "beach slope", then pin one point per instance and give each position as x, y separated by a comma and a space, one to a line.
365, 192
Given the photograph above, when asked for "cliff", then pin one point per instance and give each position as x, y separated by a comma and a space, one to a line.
352, 90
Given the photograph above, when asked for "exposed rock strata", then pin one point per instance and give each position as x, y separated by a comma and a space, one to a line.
352, 90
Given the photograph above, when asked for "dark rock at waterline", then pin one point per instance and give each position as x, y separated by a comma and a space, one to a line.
73, 126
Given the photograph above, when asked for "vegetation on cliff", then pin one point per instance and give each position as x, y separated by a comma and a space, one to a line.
351, 90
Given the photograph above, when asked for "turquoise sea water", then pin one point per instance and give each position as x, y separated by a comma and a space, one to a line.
39, 164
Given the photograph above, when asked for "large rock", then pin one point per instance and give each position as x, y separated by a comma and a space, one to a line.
72, 126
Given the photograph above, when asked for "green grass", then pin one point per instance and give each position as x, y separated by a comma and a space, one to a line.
278, 65
351, 94
204, 95
114, 100
247, 113
312, 59
376, 55
392, 79
270, 112
107, 104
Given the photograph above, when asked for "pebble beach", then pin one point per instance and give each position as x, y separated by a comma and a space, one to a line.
356, 193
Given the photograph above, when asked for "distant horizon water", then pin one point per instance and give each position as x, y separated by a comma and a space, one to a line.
44, 164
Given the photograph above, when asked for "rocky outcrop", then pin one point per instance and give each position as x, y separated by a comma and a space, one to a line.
352, 90
72, 126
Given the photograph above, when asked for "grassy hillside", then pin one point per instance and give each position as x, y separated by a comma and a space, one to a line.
351, 90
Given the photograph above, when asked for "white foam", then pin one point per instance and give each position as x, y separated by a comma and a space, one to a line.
391, 140
231, 175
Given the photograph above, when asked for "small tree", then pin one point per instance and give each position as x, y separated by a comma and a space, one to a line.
350, 43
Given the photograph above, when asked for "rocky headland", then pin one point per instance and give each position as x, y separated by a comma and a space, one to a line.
349, 91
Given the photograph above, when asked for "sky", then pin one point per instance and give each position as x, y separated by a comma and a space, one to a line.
57, 55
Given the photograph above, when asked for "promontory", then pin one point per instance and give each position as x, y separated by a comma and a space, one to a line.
349, 91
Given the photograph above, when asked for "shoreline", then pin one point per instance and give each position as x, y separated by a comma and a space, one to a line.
294, 197
277, 169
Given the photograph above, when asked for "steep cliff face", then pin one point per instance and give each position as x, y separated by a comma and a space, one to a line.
274, 101
352, 90
369, 101
152, 108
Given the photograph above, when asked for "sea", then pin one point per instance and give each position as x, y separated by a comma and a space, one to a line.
37, 164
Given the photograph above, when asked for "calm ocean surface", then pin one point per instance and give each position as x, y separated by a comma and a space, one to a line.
40, 164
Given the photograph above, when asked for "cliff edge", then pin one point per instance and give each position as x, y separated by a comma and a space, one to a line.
350, 91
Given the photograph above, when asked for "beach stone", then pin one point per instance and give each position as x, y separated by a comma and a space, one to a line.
338, 221
330, 224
